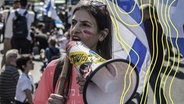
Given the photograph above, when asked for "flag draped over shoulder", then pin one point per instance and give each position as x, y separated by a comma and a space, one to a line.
51, 12
171, 16
129, 38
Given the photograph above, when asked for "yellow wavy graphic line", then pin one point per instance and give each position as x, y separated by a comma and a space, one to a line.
120, 40
162, 64
177, 66
118, 15
166, 20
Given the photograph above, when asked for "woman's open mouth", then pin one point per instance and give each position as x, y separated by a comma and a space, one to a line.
75, 38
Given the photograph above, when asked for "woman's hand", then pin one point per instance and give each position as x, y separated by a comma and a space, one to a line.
56, 99
81, 81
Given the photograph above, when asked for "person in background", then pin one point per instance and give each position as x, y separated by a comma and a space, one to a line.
32, 34
16, 4
23, 44
25, 86
6, 12
4, 17
7, 40
40, 38
9, 77
52, 51
88, 27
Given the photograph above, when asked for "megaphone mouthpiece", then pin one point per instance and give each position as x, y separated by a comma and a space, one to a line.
84, 59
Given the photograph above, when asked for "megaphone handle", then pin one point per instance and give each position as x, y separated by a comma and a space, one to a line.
63, 76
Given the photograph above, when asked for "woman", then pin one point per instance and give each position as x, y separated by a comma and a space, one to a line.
25, 86
91, 24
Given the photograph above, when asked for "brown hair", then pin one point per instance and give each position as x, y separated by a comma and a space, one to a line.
22, 60
104, 47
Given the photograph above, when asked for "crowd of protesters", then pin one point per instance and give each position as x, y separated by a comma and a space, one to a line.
39, 31
45, 40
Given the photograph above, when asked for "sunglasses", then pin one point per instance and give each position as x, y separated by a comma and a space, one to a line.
97, 3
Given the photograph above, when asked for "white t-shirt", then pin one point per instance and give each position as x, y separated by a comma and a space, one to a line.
30, 19
5, 14
23, 83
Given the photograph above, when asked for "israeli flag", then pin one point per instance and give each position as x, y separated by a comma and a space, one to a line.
129, 41
171, 16
51, 12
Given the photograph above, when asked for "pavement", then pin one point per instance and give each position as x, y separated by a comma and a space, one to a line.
172, 79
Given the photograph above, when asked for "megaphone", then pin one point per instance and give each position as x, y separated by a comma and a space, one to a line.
112, 81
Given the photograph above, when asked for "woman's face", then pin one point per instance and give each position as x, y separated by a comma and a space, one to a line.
84, 28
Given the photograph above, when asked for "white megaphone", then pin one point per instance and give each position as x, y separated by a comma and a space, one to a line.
107, 81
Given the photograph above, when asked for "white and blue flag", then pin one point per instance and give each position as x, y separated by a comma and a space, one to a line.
51, 12
129, 41
171, 16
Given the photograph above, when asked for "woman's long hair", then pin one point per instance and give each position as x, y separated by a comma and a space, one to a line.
99, 11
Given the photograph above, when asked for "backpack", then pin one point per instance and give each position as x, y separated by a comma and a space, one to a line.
54, 54
20, 29
57, 72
